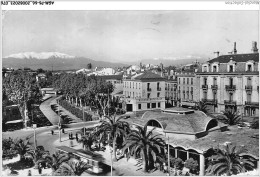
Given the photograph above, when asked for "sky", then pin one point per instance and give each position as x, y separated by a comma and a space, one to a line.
130, 35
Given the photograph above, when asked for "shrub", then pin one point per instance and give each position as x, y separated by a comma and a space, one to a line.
75, 111
255, 124
176, 163
191, 164
8, 149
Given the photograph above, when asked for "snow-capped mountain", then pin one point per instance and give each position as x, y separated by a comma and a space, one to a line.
41, 55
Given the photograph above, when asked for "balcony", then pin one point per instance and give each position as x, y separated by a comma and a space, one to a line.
214, 87
149, 89
171, 89
159, 88
230, 102
210, 101
230, 87
191, 92
252, 104
205, 87
183, 91
248, 88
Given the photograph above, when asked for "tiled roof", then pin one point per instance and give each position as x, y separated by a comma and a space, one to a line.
242, 138
148, 75
107, 77
236, 58
190, 123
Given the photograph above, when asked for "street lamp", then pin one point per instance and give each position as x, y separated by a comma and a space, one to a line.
111, 156
34, 127
168, 156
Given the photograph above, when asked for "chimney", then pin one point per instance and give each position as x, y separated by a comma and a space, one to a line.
254, 47
216, 54
235, 50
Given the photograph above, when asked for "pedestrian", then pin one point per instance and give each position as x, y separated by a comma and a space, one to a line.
29, 173
164, 168
71, 143
77, 138
52, 132
69, 135
72, 136
40, 168
63, 131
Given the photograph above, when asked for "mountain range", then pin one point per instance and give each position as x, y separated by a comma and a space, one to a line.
61, 61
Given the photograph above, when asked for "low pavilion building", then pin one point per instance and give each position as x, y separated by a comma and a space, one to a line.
193, 134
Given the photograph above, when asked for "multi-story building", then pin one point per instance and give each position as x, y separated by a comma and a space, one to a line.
187, 87
144, 91
171, 91
231, 82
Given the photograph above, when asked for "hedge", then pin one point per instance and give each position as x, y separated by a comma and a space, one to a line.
75, 111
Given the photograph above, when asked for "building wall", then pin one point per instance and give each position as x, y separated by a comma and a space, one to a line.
189, 88
139, 95
240, 95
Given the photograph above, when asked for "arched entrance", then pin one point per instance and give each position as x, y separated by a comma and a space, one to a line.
154, 123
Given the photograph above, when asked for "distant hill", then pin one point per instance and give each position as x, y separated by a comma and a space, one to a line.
56, 63
61, 61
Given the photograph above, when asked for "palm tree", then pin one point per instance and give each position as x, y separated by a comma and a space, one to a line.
228, 161
72, 168
22, 147
114, 128
38, 155
143, 143
201, 106
231, 117
87, 141
57, 159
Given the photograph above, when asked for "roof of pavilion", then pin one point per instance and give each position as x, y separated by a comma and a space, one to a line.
241, 137
182, 121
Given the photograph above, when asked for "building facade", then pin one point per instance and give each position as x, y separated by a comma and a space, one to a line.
144, 91
171, 91
187, 88
231, 82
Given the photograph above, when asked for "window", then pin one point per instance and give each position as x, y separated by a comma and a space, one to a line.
158, 94
188, 80
204, 69
205, 81
139, 106
214, 68
136, 85
133, 94
231, 68
148, 95
249, 67
231, 81
159, 105
153, 105
248, 97
205, 95
130, 84
179, 80
214, 95
148, 85
231, 97
214, 81
249, 81
191, 81
148, 105
139, 85
130, 94
183, 80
